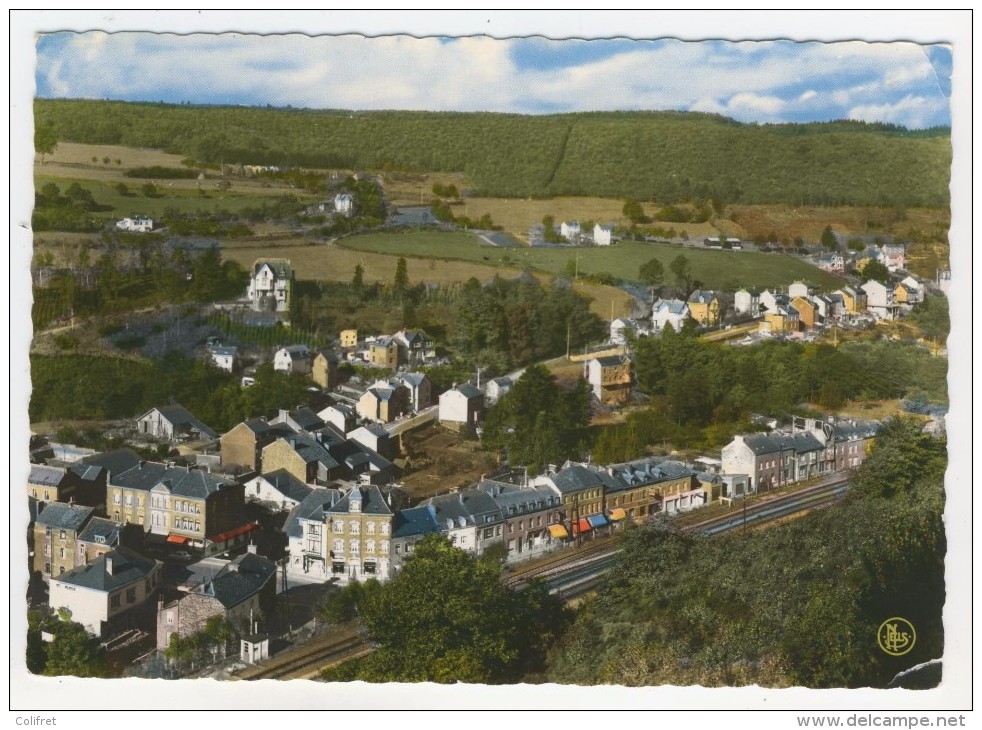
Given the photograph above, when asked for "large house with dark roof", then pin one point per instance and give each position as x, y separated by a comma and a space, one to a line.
105, 593
409, 526
242, 446
340, 536
648, 486
173, 422
55, 532
243, 587
279, 488
49, 484
101, 535
610, 378
188, 506
461, 407
581, 489
270, 285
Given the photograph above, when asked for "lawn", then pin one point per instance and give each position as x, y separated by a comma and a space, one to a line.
727, 270
321, 262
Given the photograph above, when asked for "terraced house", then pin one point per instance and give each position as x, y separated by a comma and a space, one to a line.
55, 532
648, 486
580, 488
188, 506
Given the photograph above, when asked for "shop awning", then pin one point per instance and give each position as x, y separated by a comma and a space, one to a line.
179, 539
558, 531
617, 514
232, 534
583, 525
597, 520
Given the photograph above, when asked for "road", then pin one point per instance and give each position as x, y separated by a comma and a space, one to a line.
427, 415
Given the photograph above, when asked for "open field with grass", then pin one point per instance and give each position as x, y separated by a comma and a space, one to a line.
332, 263
517, 215
727, 270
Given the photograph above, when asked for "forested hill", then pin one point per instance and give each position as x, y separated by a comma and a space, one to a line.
664, 156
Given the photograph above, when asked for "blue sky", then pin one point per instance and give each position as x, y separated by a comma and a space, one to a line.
771, 81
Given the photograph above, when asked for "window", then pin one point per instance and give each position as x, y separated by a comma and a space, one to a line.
338, 546
131, 595
354, 527
170, 618
511, 527
370, 546
489, 533
355, 547
47, 568
114, 601
397, 548
385, 528
117, 499
61, 552
62, 535
338, 527
384, 547
61, 570
370, 528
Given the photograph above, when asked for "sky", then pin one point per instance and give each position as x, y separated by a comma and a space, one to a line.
764, 82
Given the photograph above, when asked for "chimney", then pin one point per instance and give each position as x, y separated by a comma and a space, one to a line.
109, 564
252, 548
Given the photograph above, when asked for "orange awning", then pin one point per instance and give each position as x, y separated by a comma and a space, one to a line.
558, 531
617, 514
179, 539
583, 525
232, 534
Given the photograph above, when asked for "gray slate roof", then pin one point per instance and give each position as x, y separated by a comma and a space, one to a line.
178, 416
60, 516
48, 476
672, 306
577, 477
761, 443
102, 531
468, 391
313, 507
648, 471
372, 502
128, 567
180, 481
239, 580
415, 521
412, 379
288, 485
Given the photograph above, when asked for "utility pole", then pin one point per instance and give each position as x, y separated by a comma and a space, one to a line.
567, 340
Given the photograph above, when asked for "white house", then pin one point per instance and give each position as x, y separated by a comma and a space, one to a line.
100, 593
344, 203
894, 256
745, 302
293, 359
833, 262
172, 423
496, 388
278, 487
570, 231
270, 285
943, 279
669, 311
602, 234
340, 416
224, 357
915, 288
620, 328
136, 224
798, 289
461, 406
880, 300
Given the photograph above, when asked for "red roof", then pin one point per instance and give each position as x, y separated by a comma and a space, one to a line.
583, 525
179, 539
230, 534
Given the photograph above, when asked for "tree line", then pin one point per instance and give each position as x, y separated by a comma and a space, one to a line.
668, 157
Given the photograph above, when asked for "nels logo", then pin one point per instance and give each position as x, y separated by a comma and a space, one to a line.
896, 636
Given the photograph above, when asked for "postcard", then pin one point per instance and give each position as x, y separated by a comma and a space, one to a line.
491, 360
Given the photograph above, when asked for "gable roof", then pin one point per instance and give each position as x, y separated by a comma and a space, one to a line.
312, 507
702, 296
61, 516
103, 531
238, 581
178, 416
128, 567
647, 471
287, 484
115, 461
671, 306
181, 482
281, 268
47, 476
577, 477
612, 360
412, 379
467, 390
415, 521
372, 502
761, 443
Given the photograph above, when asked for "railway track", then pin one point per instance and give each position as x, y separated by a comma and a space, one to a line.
311, 659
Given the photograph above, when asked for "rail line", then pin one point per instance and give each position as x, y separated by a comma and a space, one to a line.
309, 660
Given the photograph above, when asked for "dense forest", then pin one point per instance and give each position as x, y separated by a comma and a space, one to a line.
795, 605
663, 156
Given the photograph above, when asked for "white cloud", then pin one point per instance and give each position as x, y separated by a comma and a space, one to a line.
752, 81
911, 111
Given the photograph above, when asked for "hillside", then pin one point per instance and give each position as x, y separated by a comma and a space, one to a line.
663, 156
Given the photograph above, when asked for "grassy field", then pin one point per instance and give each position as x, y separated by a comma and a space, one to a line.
727, 270
332, 263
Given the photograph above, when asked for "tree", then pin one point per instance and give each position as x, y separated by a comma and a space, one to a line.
358, 280
74, 652
149, 190
829, 240
401, 281
652, 273
634, 212
122, 189
682, 270
45, 141
446, 618
876, 271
